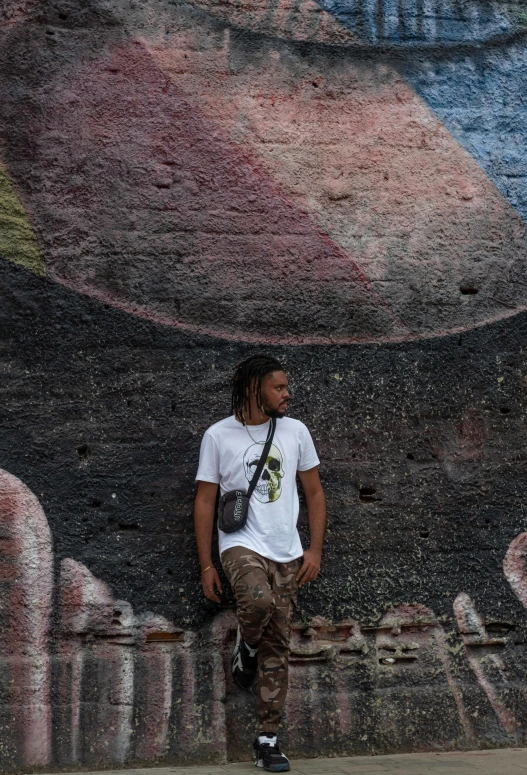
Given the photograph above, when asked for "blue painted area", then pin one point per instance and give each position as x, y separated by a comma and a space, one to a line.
482, 100
427, 22
481, 96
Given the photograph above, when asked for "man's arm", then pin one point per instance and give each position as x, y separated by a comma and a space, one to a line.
203, 521
316, 509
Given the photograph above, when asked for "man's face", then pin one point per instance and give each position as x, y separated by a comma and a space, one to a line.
275, 394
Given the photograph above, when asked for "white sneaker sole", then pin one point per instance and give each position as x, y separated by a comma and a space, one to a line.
259, 763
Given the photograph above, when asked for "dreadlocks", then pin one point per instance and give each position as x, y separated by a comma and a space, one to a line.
248, 375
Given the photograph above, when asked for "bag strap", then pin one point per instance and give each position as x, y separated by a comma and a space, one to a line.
263, 458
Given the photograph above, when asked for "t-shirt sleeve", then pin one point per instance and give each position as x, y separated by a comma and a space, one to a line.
307, 454
209, 461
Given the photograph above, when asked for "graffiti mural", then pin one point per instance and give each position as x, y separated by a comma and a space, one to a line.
117, 687
182, 184
177, 157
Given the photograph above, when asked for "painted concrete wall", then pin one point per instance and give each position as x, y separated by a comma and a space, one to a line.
342, 184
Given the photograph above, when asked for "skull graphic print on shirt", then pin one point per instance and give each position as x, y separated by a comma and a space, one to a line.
269, 486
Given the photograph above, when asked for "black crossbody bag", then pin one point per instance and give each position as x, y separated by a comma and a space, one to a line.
233, 506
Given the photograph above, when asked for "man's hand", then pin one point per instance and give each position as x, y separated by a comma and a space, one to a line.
211, 584
316, 509
310, 568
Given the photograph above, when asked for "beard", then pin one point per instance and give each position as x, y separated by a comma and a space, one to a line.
276, 413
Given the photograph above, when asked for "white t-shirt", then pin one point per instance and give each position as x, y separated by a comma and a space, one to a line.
229, 456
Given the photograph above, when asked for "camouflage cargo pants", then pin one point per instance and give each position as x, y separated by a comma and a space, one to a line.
265, 594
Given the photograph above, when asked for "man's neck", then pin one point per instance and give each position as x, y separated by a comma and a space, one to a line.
254, 419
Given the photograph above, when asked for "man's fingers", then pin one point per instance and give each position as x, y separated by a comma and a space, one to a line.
210, 594
307, 573
301, 572
211, 582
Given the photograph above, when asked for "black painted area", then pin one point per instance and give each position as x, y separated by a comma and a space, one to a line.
422, 448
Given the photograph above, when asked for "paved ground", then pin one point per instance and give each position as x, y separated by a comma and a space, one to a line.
510, 761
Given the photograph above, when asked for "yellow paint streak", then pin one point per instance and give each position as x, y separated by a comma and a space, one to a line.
17, 239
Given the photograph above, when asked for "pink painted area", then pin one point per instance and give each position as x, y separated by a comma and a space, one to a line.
505, 716
473, 631
199, 217
414, 628
515, 568
85, 604
356, 148
442, 647
222, 625
26, 575
156, 658
88, 608
200, 196
469, 621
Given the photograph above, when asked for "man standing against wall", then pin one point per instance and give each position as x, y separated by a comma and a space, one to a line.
263, 560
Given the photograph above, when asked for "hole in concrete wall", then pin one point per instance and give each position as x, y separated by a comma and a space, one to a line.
173, 406
390, 661
315, 84
505, 409
95, 503
410, 456
83, 451
299, 659
425, 533
170, 572
349, 653
500, 627
164, 637
128, 526
366, 494
63, 16
468, 290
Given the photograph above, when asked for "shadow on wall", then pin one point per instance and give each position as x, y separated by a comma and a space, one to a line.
118, 688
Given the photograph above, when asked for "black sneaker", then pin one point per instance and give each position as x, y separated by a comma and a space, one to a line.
244, 663
269, 756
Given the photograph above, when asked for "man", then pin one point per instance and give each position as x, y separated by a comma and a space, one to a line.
263, 561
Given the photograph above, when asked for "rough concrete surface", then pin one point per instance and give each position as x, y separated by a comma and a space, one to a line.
182, 184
